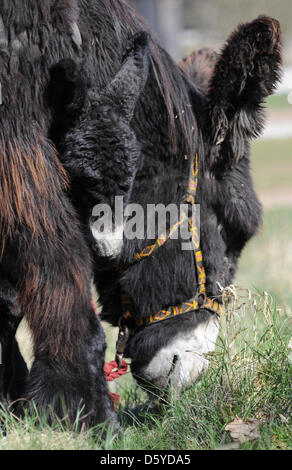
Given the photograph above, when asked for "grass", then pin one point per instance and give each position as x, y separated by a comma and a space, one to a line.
272, 159
249, 377
266, 263
272, 164
277, 102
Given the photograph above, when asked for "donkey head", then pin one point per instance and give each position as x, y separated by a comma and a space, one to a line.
227, 94
233, 86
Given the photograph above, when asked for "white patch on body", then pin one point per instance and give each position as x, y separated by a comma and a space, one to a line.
109, 242
189, 348
25, 341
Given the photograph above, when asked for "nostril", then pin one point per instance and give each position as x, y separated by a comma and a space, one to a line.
174, 361
171, 370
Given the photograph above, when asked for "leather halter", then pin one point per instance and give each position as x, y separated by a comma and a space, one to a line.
198, 302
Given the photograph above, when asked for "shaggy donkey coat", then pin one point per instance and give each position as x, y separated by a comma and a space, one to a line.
45, 260
45, 263
45, 255
221, 97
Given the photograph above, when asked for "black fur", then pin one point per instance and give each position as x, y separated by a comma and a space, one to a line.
45, 261
226, 114
45, 254
230, 210
9, 321
104, 124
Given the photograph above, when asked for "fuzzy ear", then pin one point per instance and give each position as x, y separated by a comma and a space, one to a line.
67, 88
247, 71
124, 91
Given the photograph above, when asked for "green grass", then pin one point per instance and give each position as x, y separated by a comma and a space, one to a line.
266, 264
250, 377
272, 164
276, 102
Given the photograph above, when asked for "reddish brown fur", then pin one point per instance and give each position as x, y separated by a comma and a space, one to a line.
199, 66
45, 303
20, 164
28, 187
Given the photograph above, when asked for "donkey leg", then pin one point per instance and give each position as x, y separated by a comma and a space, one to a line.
19, 379
65, 388
67, 377
53, 291
10, 317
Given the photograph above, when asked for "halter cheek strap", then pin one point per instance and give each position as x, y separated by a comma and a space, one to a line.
198, 302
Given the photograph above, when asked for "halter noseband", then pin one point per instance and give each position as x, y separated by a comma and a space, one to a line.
198, 302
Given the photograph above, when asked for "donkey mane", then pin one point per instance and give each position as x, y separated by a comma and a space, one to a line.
172, 81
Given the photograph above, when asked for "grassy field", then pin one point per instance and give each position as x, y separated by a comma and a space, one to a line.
266, 264
272, 164
276, 102
249, 377
250, 374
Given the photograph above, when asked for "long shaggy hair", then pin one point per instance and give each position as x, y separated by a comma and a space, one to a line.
216, 110
171, 84
45, 254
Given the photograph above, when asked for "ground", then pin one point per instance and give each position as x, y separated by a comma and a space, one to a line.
250, 374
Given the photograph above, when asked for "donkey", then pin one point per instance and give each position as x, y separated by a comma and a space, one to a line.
46, 262
217, 111
48, 257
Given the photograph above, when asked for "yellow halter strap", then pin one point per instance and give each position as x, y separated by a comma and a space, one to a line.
200, 300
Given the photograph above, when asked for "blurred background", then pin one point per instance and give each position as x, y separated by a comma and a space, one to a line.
184, 25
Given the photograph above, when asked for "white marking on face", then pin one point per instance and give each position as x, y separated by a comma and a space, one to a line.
110, 242
189, 348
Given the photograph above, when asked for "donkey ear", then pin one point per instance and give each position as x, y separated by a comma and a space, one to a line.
67, 88
126, 87
247, 71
